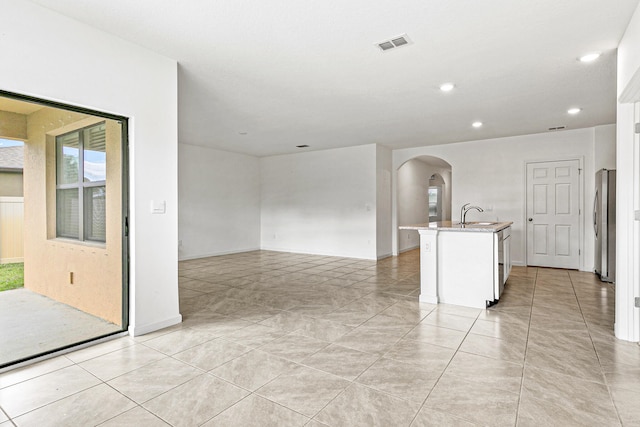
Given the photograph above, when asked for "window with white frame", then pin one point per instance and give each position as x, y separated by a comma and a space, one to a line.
81, 177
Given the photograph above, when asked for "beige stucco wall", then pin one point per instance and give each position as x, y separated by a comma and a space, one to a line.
11, 184
13, 125
96, 268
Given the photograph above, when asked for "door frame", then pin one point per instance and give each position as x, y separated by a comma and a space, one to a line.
124, 220
581, 206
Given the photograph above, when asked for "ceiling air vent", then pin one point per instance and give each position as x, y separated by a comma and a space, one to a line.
386, 45
394, 42
302, 146
557, 128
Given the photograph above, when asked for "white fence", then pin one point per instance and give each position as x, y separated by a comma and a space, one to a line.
11, 229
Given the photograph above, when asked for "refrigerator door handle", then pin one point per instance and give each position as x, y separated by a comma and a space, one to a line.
595, 213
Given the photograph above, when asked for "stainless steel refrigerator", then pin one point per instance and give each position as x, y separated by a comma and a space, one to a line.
604, 224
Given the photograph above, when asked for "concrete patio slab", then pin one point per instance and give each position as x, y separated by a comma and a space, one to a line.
32, 324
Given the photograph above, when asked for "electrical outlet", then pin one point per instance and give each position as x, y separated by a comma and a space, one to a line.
427, 247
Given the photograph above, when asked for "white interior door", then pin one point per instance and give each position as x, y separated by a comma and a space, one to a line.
553, 214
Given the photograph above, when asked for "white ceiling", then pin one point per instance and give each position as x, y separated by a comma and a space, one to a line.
308, 72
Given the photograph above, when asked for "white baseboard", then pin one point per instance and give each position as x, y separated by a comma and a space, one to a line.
275, 249
320, 253
428, 299
410, 248
524, 264
623, 333
207, 255
135, 331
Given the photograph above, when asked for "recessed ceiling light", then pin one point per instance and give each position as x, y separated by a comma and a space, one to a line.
574, 110
476, 124
589, 57
447, 87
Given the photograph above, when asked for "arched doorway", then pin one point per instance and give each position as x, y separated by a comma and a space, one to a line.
423, 194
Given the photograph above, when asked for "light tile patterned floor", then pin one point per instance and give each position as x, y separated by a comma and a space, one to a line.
279, 339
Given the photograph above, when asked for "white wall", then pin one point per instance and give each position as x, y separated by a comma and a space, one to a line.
491, 174
627, 324
604, 147
49, 56
320, 202
447, 207
413, 203
219, 202
383, 202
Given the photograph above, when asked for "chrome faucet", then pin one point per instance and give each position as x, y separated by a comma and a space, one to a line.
465, 209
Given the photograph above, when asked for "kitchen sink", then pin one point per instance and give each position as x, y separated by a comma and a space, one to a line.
481, 223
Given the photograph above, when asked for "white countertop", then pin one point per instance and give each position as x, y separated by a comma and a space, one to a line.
483, 226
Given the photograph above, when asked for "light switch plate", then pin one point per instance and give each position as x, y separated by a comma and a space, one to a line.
159, 207
637, 215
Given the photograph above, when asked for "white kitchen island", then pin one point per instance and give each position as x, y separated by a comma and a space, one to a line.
463, 264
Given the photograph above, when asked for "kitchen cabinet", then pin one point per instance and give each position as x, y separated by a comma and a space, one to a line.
464, 265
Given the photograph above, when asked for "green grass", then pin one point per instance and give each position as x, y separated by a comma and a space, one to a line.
11, 276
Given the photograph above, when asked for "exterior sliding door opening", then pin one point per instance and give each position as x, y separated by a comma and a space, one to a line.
70, 284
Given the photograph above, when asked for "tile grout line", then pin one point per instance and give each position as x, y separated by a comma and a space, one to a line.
140, 405
227, 408
8, 417
55, 400
353, 381
445, 370
526, 347
606, 382
59, 399
379, 356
